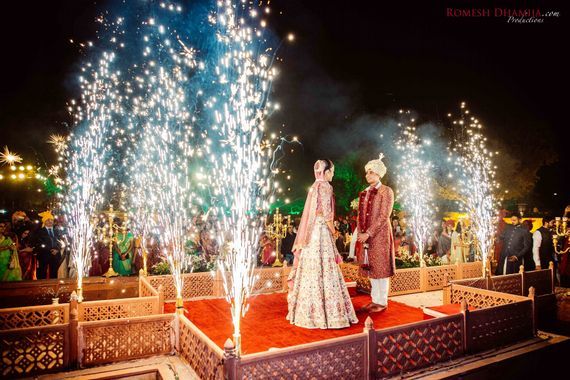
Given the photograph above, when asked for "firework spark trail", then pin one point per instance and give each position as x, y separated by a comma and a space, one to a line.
86, 159
163, 199
415, 184
244, 77
477, 183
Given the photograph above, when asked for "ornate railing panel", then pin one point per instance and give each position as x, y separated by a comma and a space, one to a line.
34, 316
406, 281
510, 283
541, 280
435, 276
471, 270
499, 326
417, 345
481, 298
268, 280
123, 339
339, 358
115, 309
32, 351
196, 285
146, 289
203, 355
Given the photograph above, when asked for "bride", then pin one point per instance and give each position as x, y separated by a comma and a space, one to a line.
318, 297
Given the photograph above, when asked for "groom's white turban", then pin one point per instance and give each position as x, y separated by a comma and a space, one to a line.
377, 166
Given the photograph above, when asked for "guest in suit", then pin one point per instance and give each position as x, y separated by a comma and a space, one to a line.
515, 245
47, 245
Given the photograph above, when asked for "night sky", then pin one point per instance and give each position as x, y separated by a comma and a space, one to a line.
351, 63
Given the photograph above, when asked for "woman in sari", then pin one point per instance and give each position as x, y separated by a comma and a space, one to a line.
9, 263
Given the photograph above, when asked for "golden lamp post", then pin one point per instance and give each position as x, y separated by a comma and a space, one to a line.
560, 232
277, 231
108, 234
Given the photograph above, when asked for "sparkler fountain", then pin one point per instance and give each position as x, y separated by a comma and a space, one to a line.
86, 159
415, 184
244, 77
477, 183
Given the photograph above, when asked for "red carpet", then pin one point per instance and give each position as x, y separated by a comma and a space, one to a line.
452, 308
265, 326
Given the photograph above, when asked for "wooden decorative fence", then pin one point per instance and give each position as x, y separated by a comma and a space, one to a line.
203, 355
499, 326
34, 350
409, 347
109, 341
120, 308
415, 280
339, 358
34, 316
44, 339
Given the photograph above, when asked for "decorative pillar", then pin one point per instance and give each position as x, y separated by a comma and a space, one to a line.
73, 326
231, 360
532, 296
467, 334
552, 276
371, 349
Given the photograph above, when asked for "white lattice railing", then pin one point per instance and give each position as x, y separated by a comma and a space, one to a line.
203, 355
34, 316
116, 309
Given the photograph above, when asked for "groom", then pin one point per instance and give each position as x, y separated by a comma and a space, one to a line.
374, 232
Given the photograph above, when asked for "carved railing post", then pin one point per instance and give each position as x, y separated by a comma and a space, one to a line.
446, 290
465, 313
218, 285
73, 326
371, 347
459, 275
160, 299
552, 276
423, 278
532, 296
523, 285
231, 360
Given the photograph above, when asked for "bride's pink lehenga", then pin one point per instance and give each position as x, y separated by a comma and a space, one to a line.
319, 297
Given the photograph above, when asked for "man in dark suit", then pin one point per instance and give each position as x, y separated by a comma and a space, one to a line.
47, 247
515, 245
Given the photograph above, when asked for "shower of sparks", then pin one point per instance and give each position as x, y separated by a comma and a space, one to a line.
163, 194
86, 158
477, 185
9, 158
244, 76
415, 183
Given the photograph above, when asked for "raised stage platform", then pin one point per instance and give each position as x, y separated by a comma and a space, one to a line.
265, 327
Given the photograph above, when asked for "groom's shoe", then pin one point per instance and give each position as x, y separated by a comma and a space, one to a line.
375, 308
366, 307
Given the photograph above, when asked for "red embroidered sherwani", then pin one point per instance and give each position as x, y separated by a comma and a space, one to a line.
374, 218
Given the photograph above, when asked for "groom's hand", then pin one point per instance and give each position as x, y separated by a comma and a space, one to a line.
362, 237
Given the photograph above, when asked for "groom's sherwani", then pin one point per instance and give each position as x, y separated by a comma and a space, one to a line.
374, 209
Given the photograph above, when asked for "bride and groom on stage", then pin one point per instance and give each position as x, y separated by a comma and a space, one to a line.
318, 296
